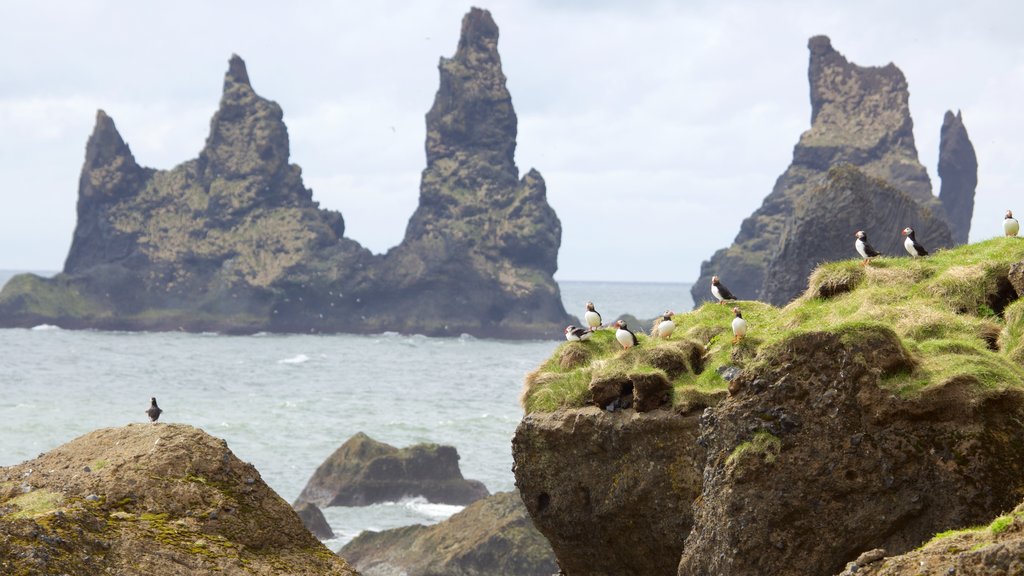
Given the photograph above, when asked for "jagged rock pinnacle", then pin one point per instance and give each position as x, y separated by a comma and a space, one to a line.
236, 74
958, 168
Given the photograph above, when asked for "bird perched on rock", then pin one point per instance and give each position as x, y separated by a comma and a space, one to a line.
591, 316
1010, 224
624, 336
911, 244
739, 326
154, 410
867, 251
576, 334
665, 326
720, 291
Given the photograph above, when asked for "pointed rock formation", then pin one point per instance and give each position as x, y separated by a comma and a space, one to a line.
958, 168
233, 241
860, 116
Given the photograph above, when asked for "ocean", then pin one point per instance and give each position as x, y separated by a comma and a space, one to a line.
286, 402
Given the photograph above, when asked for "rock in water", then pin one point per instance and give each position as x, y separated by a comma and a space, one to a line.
491, 536
233, 241
313, 519
363, 471
958, 168
145, 499
860, 116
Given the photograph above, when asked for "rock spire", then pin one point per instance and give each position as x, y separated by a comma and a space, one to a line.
958, 168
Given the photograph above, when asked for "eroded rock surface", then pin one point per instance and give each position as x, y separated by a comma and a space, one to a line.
958, 168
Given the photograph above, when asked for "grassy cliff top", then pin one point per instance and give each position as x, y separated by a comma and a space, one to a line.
955, 312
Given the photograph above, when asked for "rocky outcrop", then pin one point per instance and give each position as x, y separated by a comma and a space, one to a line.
233, 240
611, 491
859, 116
822, 225
150, 499
958, 168
313, 519
491, 536
363, 471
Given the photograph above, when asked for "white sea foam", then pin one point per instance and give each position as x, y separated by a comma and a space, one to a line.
44, 327
419, 505
297, 359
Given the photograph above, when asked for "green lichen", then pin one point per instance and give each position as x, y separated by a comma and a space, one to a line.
764, 445
34, 504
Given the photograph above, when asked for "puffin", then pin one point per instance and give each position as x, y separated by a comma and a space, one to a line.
911, 244
720, 291
575, 334
591, 316
666, 326
154, 410
864, 247
624, 336
739, 326
1010, 224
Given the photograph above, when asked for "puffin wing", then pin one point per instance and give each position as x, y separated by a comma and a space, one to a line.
920, 249
870, 250
726, 294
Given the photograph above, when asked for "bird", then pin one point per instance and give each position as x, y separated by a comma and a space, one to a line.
1010, 224
911, 244
720, 291
154, 410
666, 326
864, 247
576, 334
624, 336
739, 326
591, 316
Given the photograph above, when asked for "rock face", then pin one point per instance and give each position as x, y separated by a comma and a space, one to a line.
958, 168
610, 491
150, 499
363, 471
859, 116
233, 241
313, 519
822, 225
491, 536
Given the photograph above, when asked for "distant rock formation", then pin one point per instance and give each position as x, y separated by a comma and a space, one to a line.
151, 499
958, 168
822, 227
233, 241
313, 519
859, 116
491, 536
363, 471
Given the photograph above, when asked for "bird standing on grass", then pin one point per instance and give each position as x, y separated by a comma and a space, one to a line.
911, 244
739, 326
154, 410
720, 291
575, 334
666, 326
591, 316
624, 336
867, 251
1010, 224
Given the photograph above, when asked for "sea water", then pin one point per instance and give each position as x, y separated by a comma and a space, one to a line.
286, 402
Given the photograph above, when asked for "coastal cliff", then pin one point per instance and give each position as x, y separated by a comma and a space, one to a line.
233, 241
859, 116
883, 406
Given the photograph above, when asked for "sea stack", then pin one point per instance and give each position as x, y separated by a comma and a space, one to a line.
958, 168
860, 117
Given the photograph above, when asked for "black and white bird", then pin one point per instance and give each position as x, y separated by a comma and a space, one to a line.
913, 248
624, 336
720, 291
866, 250
666, 326
576, 334
591, 316
1010, 224
739, 326
154, 410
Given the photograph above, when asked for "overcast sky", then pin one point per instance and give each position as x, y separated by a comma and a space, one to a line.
658, 126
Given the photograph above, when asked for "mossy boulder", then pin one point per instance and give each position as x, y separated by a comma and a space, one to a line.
150, 499
363, 471
493, 535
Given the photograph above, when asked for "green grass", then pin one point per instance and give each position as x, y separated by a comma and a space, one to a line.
34, 504
763, 444
952, 311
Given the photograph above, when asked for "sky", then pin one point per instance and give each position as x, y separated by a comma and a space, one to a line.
658, 126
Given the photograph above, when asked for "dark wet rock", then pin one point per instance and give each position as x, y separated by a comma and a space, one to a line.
364, 471
958, 168
491, 536
313, 519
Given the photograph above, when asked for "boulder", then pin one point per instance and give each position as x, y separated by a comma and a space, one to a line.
363, 471
493, 535
313, 519
150, 499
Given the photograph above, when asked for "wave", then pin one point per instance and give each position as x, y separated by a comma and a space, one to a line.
45, 327
298, 359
